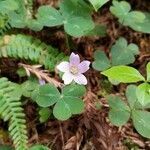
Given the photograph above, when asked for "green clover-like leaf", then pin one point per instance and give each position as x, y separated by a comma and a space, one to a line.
74, 90
137, 20
119, 113
78, 25
49, 16
101, 61
47, 95
122, 53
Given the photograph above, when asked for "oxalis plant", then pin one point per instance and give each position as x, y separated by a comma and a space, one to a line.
63, 100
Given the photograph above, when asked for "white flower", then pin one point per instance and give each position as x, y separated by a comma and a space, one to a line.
74, 69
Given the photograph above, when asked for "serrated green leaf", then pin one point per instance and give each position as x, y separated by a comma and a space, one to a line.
44, 114
124, 74
148, 71
74, 90
101, 61
143, 94
119, 113
98, 3
61, 110
123, 54
141, 121
49, 16
47, 96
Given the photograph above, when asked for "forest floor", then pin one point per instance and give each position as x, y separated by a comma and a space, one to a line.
91, 130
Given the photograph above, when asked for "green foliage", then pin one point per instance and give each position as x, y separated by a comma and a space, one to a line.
121, 54
66, 103
49, 16
77, 18
7, 6
98, 3
39, 147
141, 121
148, 72
131, 97
119, 113
4, 147
44, 114
101, 61
29, 48
12, 111
143, 93
124, 74
134, 19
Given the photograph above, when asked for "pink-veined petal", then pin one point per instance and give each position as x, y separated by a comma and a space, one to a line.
80, 79
74, 59
67, 78
63, 66
84, 66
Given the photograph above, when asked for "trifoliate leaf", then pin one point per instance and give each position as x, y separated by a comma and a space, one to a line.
135, 19
119, 111
123, 54
120, 9
76, 23
124, 74
101, 61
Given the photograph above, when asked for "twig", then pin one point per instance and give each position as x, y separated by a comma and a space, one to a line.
41, 74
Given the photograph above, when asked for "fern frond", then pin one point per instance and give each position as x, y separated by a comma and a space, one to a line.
10, 109
4, 24
29, 48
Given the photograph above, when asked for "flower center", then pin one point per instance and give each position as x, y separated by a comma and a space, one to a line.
74, 70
